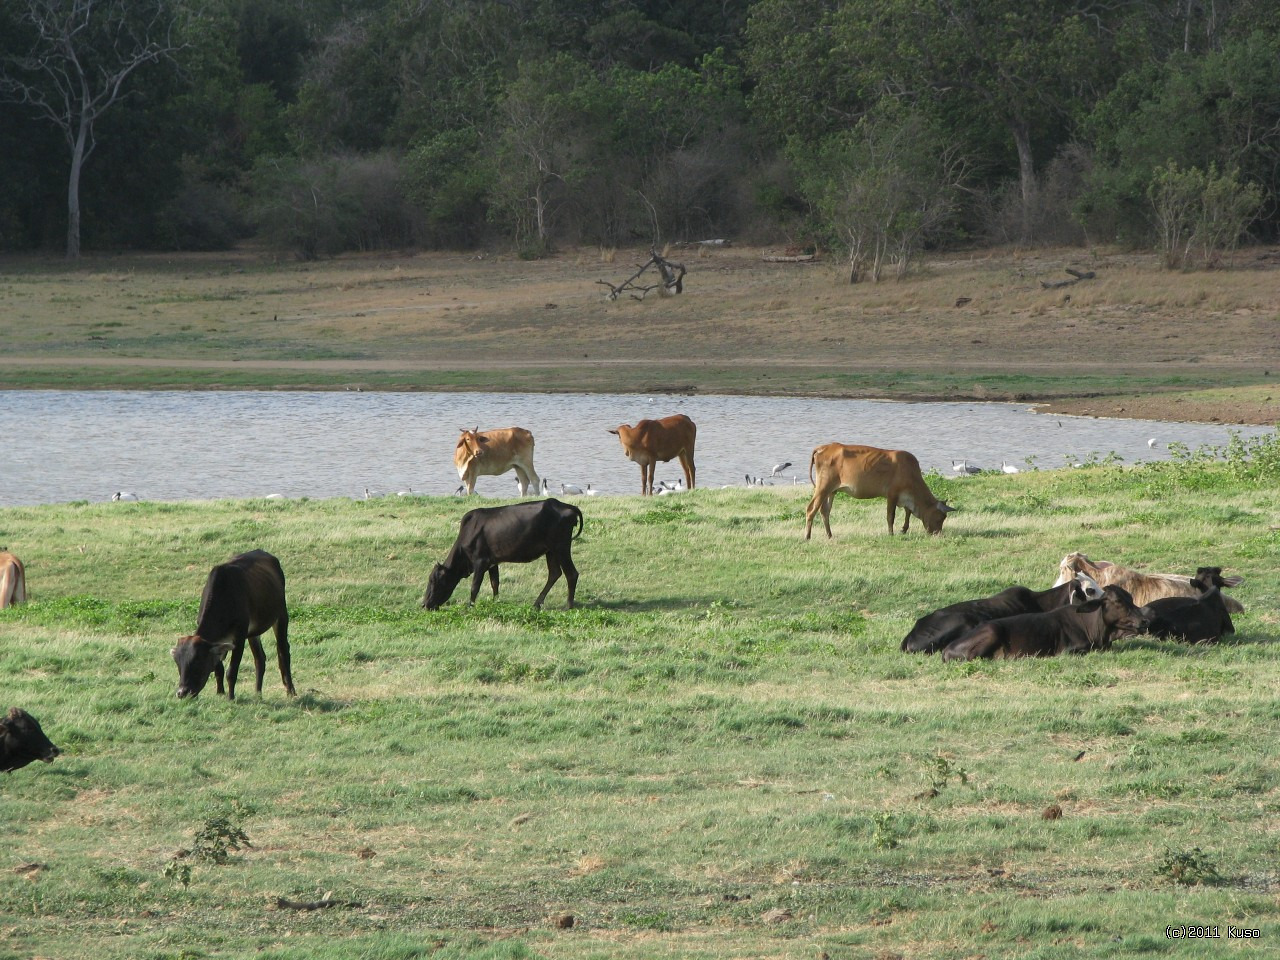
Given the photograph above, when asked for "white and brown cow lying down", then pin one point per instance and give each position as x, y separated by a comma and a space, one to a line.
1143, 587
13, 581
869, 472
490, 453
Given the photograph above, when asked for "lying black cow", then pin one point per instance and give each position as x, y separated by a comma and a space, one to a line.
22, 741
518, 533
936, 630
1201, 619
243, 598
1077, 628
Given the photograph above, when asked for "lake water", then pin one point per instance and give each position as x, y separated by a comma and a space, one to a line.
57, 446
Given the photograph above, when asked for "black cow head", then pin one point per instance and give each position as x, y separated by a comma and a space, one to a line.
196, 659
22, 741
1119, 614
440, 586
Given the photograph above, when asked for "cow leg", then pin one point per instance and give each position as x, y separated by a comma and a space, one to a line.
809, 511
218, 671
646, 479
282, 653
477, 580
493, 578
524, 481
570, 574
826, 513
553, 574
259, 662
686, 461
892, 510
233, 668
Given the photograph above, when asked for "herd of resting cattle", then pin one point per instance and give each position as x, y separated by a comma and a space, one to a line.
1091, 604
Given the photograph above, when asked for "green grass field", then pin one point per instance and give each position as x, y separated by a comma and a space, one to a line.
722, 753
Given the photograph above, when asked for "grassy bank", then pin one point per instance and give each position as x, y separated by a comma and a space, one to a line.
980, 326
721, 754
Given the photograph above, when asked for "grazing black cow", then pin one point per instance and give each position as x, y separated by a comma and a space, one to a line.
243, 598
1077, 628
22, 741
1202, 619
518, 533
936, 630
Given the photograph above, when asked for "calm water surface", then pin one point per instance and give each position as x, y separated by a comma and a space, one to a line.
57, 446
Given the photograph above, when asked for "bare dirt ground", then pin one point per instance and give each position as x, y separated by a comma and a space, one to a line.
1136, 340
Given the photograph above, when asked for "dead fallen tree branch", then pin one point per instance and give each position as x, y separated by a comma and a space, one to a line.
283, 904
798, 258
672, 279
1055, 284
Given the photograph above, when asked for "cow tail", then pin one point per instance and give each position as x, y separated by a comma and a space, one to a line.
812, 457
580, 522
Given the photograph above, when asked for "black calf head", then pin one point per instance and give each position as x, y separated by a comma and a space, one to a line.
22, 741
196, 659
440, 586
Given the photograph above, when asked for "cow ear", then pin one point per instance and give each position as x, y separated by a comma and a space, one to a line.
222, 647
614, 432
1089, 605
946, 507
1233, 581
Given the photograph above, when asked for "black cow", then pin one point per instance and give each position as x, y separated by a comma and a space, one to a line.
22, 741
1077, 628
936, 630
243, 598
518, 533
1201, 619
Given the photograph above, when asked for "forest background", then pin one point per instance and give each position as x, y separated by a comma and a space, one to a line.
876, 129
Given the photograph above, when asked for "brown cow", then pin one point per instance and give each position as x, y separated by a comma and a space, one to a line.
1143, 587
489, 453
13, 581
652, 440
868, 472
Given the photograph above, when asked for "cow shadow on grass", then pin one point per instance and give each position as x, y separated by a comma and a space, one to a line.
659, 604
1177, 648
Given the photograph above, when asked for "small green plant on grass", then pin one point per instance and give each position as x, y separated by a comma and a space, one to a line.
888, 831
943, 771
1188, 868
218, 838
179, 872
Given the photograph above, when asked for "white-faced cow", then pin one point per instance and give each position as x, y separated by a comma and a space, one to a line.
1200, 620
651, 441
22, 741
13, 581
243, 598
935, 631
1144, 587
1078, 628
517, 533
869, 472
490, 453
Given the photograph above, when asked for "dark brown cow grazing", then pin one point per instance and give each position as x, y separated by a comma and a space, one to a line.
13, 581
1200, 620
935, 631
869, 472
243, 598
1079, 628
517, 533
650, 441
22, 741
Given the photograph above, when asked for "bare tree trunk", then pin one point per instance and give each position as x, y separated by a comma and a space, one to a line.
1026, 174
73, 188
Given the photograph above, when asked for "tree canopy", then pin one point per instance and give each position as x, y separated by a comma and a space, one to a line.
532, 123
